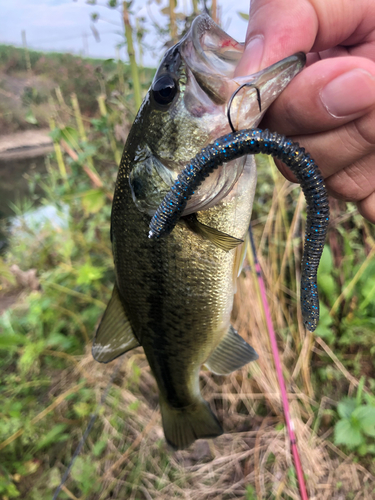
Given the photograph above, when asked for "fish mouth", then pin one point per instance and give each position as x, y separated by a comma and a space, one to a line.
212, 57
269, 82
204, 63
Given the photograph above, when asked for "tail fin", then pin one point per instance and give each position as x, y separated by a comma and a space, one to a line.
183, 426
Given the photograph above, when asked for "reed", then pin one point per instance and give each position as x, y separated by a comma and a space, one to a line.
58, 152
214, 11
131, 54
112, 141
172, 21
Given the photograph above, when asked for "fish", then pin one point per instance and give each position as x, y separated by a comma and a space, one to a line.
174, 296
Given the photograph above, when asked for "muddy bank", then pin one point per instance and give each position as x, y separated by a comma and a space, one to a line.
28, 144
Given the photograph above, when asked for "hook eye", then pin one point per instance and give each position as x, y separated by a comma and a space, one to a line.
234, 95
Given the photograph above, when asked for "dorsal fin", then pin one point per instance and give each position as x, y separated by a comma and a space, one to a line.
218, 238
232, 353
114, 335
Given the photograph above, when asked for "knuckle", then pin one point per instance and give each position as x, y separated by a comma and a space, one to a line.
355, 182
364, 130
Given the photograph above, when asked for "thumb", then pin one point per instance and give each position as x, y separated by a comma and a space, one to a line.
277, 30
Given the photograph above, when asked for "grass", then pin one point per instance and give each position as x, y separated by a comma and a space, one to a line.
50, 385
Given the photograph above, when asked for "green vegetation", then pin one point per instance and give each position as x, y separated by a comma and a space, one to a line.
356, 426
25, 99
50, 385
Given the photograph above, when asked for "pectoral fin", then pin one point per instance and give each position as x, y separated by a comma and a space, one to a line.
114, 335
231, 354
218, 238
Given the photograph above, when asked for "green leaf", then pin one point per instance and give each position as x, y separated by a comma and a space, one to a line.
362, 449
346, 407
29, 360
366, 418
70, 136
30, 118
360, 391
88, 273
56, 339
100, 124
348, 434
243, 15
328, 286
82, 409
53, 435
93, 201
324, 328
134, 406
99, 447
250, 492
9, 340
326, 261
55, 134
89, 149
370, 400
371, 449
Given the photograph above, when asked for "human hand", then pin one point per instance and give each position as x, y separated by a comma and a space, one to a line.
329, 108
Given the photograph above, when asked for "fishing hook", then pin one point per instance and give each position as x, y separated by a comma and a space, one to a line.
234, 95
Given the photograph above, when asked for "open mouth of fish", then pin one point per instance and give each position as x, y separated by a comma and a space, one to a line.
210, 57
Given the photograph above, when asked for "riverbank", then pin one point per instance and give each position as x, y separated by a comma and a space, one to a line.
25, 144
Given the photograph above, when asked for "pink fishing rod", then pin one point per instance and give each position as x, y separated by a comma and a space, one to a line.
279, 371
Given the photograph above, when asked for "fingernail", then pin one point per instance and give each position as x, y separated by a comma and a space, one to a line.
349, 93
252, 57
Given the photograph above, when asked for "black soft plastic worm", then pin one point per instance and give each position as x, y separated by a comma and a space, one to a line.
253, 141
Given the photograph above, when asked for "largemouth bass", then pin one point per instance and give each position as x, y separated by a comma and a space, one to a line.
174, 296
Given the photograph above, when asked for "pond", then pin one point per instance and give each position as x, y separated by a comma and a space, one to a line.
21, 155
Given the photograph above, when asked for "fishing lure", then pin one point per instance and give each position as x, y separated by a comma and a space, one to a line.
254, 141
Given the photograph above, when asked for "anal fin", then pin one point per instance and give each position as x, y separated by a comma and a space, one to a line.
114, 335
218, 238
232, 353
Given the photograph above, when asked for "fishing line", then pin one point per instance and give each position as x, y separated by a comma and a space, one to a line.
279, 371
88, 428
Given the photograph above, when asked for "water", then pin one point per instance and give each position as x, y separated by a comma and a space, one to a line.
14, 190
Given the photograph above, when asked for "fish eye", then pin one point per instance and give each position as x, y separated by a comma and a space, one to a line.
164, 90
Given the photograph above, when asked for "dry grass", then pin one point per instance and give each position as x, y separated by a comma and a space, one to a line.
255, 450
